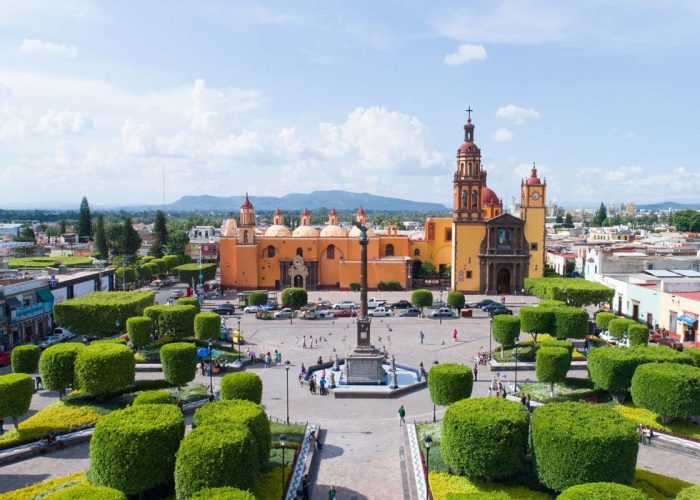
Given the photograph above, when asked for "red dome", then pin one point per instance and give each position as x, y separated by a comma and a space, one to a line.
305, 212
533, 180
489, 197
468, 147
246, 202
361, 211
333, 212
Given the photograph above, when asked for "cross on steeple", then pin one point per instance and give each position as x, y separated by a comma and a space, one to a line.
469, 112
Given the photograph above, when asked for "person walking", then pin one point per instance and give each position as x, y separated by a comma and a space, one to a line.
421, 336
305, 487
322, 384
331, 493
476, 372
402, 415
527, 402
312, 384
454, 335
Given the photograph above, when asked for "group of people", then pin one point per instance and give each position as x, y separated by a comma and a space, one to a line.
525, 401
321, 384
267, 358
496, 388
312, 342
645, 434
216, 367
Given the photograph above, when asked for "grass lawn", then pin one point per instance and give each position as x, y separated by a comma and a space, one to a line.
573, 389
650, 419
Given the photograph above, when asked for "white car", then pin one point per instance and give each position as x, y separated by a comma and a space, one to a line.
252, 309
380, 312
63, 334
345, 304
605, 335
623, 342
285, 313
49, 341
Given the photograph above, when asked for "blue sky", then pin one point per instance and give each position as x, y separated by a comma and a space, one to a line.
96, 98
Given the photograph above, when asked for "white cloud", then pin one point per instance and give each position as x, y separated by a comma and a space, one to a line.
502, 135
465, 53
211, 107
58, 123
138, 139
517, 114
36, 46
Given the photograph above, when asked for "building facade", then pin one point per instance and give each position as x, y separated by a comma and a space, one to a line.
26, 314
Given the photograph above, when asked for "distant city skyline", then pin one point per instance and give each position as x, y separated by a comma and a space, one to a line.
97, 98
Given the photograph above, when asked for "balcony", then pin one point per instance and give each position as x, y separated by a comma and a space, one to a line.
504, 252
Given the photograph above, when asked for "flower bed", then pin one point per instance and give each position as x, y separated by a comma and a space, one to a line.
573, 389
657, 486
33, 491
680, 428
444, 485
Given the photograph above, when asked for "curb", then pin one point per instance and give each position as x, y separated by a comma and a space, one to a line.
416, 462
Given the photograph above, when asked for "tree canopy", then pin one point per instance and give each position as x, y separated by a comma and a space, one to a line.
84, 219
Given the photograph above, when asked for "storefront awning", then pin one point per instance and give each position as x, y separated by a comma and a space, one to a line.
687, 320
45, 295
13, 302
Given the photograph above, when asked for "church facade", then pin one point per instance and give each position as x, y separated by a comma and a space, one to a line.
486, 249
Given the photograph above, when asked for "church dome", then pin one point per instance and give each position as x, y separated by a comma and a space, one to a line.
305, 232
489, 197
355, 232
533, 180
468, 147
278, 231
229, 228
333, 231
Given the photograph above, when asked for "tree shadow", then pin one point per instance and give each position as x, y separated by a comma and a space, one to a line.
15, 481
320, 492
330, 451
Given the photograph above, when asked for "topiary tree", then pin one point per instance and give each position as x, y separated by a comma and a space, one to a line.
16, 391
189, 301
189, 273
449, 383
575, 443
570, 323
179, 360
294, 297
456, 300
133, 450
154, 398
171, 261
140, 329
57, 366
638, 334
558, 343
242, 385
257, 298
86, 492
505, 330
536, 320
207, 326
104, 368
25, 358
218, 454
173, 321
551, 304
422, 298
576, 292
239, 412
354, 287
618, 327
690, 493
694, 354
222, 493
602, 491
672, 390
551, 365
602, 319
485, 437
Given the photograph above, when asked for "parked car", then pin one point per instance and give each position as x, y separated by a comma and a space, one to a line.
500, 310
443, 312
481, 304
490, 307
317, 313
344, 313
270, 306
402, 304
63, 333
285, 313
606, 336
373, 302
345, 304
439, 304
176, 294
89, 338
672, 343
252, 309
623, 342
5, 358
224, 309
49, 341
411, 312
380, 312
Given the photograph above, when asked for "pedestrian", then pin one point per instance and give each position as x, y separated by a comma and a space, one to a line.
275, 356
319, 361
523, 400
322, 384
503, 300
39, 385
454, 335
421, 336
305, 487
476, 372
527, 402
402, 415
585, 345
424, 376
267, 360
303, 345
303, 369
312, 439
640, 433
312, 385
331, 493
202, 368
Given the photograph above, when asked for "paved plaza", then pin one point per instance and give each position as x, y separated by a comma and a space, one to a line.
363, 453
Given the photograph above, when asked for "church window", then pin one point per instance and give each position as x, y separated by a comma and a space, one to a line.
475, 198
448, 234
469, 275
504, 238
300, 252
245, 236
470, 168
270, 252
416, 252
533, 246
389, 250
330, 252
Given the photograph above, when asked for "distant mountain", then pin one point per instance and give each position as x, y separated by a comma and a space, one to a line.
669, 205
340, 200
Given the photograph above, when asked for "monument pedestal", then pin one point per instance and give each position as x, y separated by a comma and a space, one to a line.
364, 366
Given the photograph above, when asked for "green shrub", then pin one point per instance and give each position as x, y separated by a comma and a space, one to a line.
242, 385
215, 455
551, 304
354, 287
535, 320
691, 493
456, 300
188, 272
173, 321
222, 493
41, 262
152, 269
239, 412
485, 437
558, 343
179, 361
57, 366
101, 369
124, 276
422, 298
570, 323
618, 327
154, 398
294, 297
602, 319
506, 329
16, 391
576, 292
551, 365
171, 261
257, 298
190, 301
139, 329
392, 286
86, 492
166, 339
25, 358
98, 313
207, 326
672, 390
638, 335
133, 450
601, 491
449, 383
694, 354
162, 266
575, 443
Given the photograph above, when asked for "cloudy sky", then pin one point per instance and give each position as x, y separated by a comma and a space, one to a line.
97, 98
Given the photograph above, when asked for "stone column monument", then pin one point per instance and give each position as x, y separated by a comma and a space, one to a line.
364, 364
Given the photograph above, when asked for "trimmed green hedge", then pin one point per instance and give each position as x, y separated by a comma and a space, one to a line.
570, 323
16, 391
694, 354
450, 382
558, 343
207, 326
618, 326
257, 298
139, 329
392, 286
552, 364
98, 312
485, 437
242, 385
506, 329
133, 450
603, 319
576, 292
536, 320
57, 366
172, 321
154, 398
294, 297
601, 491
41, 262
188, 272
162, 266
575, 443
239, 412
172, 261
179, 361
691, 493
669, 389
456, 300
551, 304
190, 301
86, 492
215, 455
25, 358
638, 334
105, 368
422, 298
222, 493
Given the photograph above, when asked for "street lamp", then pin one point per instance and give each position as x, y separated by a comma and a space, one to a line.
490, 335
435, 362
211, 380
283, 445
428, 442
238, 319
517, 341
441, 306
287, 364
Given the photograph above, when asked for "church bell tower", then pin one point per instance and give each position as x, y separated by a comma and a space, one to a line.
469, 179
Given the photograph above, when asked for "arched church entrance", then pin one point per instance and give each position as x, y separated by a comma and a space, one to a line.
503, 281
298, 281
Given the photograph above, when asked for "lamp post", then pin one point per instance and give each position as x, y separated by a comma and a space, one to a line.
441, 305
490, 335
435, 362
287, 364
517, 341
211, 380
238, 319
428, 442
283, 445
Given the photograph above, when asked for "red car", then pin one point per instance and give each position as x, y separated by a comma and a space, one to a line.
344, 313
4, 358
673, 344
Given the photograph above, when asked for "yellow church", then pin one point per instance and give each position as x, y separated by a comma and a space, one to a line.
486, 249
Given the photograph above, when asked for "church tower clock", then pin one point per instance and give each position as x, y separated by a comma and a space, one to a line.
533, 211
